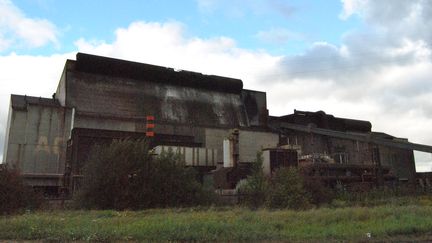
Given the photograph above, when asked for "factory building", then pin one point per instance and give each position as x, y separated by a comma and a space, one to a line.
215, 124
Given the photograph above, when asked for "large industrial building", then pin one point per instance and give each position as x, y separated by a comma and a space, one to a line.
215, 124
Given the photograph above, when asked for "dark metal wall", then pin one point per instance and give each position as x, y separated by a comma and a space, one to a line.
401, 161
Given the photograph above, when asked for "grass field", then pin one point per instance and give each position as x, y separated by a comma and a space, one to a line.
393, 222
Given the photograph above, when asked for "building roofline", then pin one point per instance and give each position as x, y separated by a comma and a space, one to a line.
370, 137
140, 71
20, 102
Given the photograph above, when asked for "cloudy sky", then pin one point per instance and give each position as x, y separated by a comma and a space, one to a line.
360, 59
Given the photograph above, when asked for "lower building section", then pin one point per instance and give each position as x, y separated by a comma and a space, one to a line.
57, 141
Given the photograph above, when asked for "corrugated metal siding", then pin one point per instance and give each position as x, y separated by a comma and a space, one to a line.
37, 139
191, 156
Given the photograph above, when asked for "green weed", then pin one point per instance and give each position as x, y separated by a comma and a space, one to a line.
210, 224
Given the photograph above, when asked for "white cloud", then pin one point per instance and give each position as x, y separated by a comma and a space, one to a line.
27, 75
167, 44
395, 19
351, 7
16, 28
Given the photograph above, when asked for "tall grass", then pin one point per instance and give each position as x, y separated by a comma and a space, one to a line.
224, 224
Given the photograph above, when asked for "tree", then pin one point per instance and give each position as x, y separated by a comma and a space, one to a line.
126, 175
287, 190
14, 194
254, 189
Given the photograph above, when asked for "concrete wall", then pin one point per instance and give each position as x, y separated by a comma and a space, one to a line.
255, 103
37, 139
8, 124
103, 123
266, 163
137, 125
250, 142
214, 140
127, 98
61, 88
253, 141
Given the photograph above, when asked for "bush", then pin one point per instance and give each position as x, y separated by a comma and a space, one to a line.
125, 175
14, 195
254, 189
287, 190
317, 192
173, 184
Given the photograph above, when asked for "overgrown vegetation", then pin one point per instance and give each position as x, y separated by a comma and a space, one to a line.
14, 195
383, 223
399, 195
125, 175
287, 188
253, 191
317, 192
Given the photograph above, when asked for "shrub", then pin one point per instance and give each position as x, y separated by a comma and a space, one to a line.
317, 192
14, 194
125, 175
254, 189
287, 190
173, 184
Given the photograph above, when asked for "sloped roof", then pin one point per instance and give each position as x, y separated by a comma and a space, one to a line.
369, 137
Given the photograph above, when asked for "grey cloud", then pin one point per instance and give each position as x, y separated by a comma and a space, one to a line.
323, 61
400, 18
365, 53
357, 56
415, 87
389, 12
426, 109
